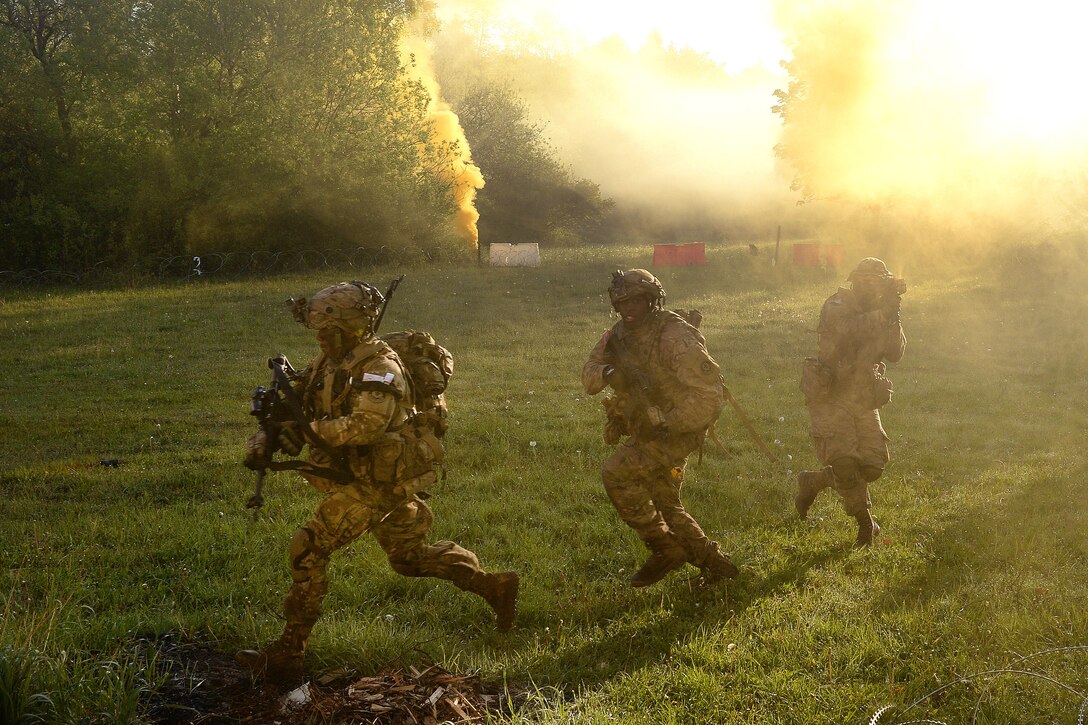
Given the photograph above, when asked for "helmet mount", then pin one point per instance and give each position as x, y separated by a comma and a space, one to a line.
349, 306
636, 283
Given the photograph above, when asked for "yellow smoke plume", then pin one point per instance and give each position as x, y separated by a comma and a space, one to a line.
656, 124
463, 176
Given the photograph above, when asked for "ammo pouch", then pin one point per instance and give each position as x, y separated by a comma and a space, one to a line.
407, 460
816, 379
882, 387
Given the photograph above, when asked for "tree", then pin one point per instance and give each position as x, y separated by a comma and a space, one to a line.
293, 123
158, 127
530, 195
60, 160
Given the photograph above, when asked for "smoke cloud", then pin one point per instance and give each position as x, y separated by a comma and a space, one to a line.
912, 118
666, 126
463, 176
959, 111
659, 126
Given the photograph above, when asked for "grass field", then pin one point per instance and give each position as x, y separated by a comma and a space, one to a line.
983, 565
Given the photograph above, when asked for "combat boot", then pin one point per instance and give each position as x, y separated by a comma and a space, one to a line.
280, 661
718, 566
500, 591
868, 530
809, 485
657, 566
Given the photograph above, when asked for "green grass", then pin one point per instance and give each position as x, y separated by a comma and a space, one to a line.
982, 507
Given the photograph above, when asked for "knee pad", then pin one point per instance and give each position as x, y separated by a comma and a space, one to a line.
870, 473
305, 555
638, 518
845, 469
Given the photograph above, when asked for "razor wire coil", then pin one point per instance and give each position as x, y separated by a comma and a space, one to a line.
990, 676
219, 265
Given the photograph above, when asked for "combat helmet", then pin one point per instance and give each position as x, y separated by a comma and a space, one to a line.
351, 306
869, 267
636, 283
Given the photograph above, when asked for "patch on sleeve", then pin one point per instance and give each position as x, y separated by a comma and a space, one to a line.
373, 382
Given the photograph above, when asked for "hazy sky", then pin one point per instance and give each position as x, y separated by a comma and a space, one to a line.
736, 34
948, 102
1026, 57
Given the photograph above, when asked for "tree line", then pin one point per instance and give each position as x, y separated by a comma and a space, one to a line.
136, 129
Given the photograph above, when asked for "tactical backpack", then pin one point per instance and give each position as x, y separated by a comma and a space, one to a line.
429, 367
413, 457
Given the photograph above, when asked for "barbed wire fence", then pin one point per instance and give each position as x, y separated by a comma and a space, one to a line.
212, 265
896, 715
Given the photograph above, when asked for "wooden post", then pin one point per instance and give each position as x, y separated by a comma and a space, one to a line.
777, 243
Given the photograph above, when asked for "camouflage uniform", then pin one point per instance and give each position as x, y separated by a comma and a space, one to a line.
361, 410
668, 394
844, 388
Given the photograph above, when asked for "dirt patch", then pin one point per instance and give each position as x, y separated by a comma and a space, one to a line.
206, 686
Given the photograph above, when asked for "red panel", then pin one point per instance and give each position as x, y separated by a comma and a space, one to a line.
806, 255
834, 255
679, 255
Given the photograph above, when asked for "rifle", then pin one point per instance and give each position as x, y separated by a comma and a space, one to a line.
747, 424
268, 407
273, 406
636, 388
388, 296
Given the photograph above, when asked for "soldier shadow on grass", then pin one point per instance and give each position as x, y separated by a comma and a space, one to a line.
641, 627
646, 627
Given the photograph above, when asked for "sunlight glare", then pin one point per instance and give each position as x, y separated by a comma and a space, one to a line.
1027, 62
737, 35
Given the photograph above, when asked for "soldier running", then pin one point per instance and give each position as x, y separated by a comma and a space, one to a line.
359, 403
668, 393
845, 387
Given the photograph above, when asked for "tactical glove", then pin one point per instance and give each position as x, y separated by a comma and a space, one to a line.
257, 451
615, 426
613, 376
290, 438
